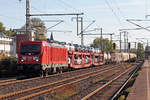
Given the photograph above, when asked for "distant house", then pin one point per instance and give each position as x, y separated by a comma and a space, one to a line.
6, 44
10, 45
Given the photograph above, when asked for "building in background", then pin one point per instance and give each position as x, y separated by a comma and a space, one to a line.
20, 35
7, 45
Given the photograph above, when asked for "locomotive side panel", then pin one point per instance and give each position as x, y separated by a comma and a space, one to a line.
46, 55
59, 55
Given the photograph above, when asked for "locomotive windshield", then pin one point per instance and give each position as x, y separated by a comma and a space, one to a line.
30, 49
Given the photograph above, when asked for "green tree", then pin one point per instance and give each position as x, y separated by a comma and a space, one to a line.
133, 50
140, 51
9, 33
39, 27
2, 28
106, 44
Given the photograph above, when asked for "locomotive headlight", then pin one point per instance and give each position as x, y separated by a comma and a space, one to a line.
23, 58
36, 58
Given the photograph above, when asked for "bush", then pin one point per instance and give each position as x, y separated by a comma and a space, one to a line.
8, 66
122, 97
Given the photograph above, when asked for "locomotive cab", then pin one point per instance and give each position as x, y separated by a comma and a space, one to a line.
29, 56
30, 53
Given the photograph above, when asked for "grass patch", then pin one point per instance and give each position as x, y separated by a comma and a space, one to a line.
124, 66
128, 90
65, 92
98, 79
122, 97
102, 77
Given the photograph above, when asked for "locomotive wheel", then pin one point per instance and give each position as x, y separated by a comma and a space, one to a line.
42, 73
50, 71
46, 72
60, 70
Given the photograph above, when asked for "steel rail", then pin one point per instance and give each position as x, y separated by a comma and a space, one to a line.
105, 85
9, 80
19, 81
124, 84
49, 84
52, 89
45, 85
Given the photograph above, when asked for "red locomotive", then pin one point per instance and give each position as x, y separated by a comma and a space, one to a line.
43, 57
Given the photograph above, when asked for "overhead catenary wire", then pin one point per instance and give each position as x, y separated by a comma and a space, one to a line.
119, 9
69, 5
112, 10
43, 12
65, 9
43, 17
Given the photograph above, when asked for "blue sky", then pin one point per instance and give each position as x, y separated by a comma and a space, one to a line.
111, 15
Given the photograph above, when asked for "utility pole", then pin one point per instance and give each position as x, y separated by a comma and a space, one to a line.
28, 27
127, 43
111, 40
135, 45
120, 41
80, 19
83, 30
111, 37
101, 40
124, 41
82, 39
77, 24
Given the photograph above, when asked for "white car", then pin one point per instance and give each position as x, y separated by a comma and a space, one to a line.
71, 47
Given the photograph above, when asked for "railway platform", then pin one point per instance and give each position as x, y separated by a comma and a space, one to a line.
141, 87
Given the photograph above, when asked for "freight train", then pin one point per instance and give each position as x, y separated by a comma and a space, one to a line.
46, 58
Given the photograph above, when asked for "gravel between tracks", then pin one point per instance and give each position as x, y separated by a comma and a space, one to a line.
79, 89
40, 81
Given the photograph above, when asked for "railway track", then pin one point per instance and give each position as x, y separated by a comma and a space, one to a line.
107, 89
53, 85
93, 95
14, 81
116, 94
82, 87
